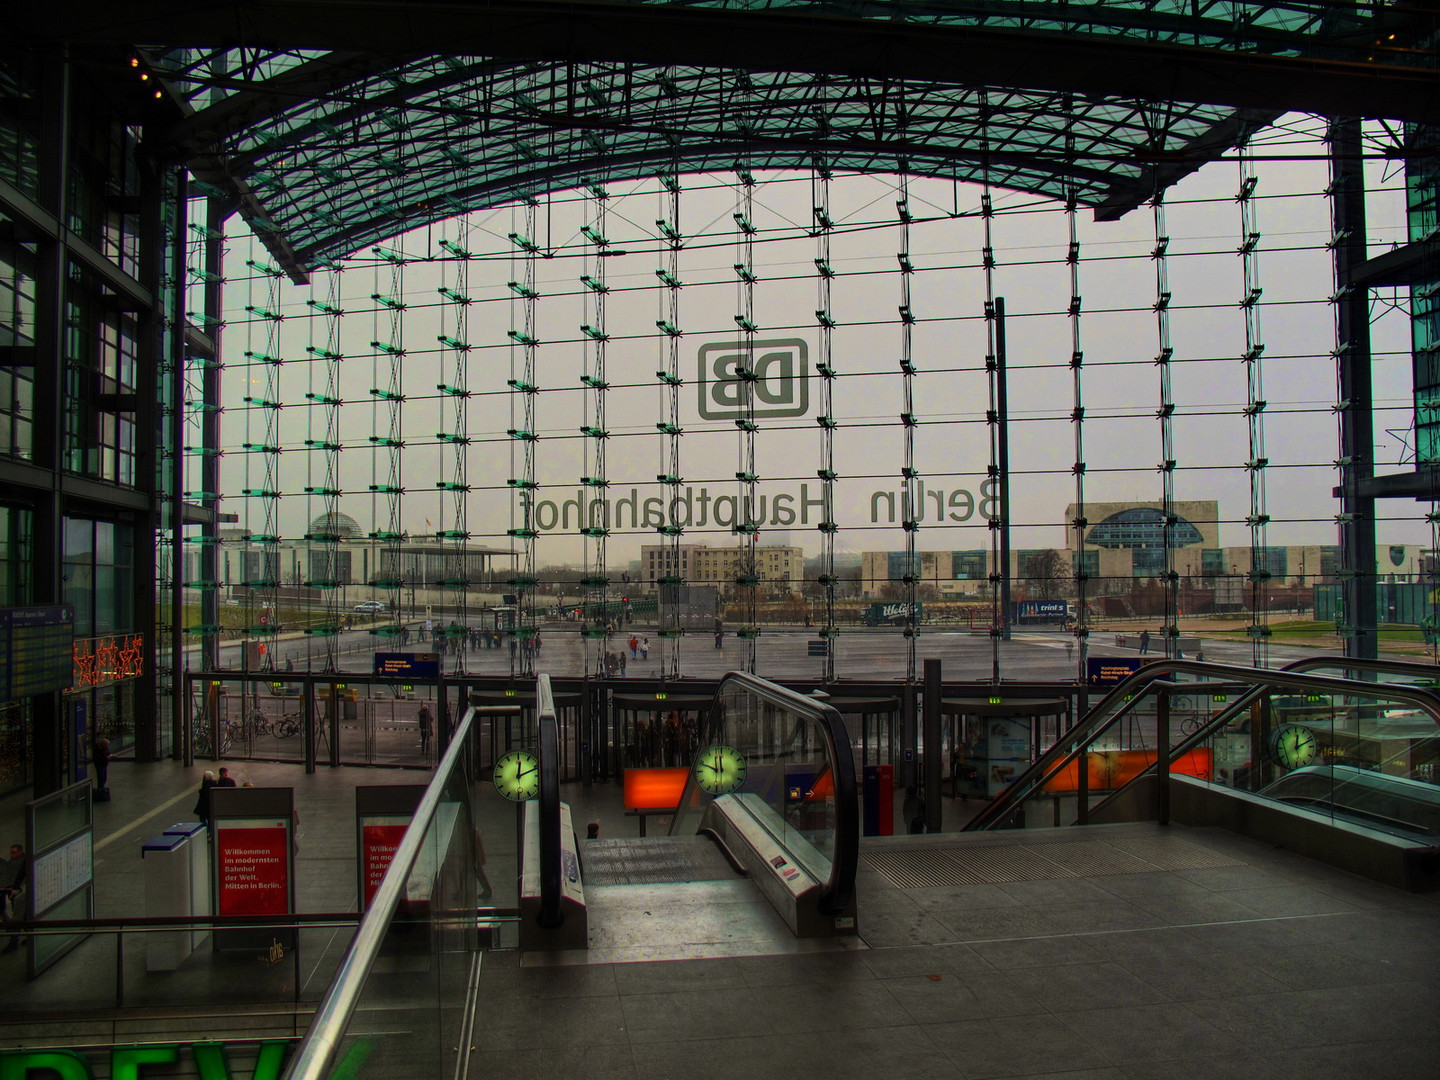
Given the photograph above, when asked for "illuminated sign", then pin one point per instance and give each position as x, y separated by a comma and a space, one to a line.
654, 789
408, 665
212, 1061
1110, 671
35, 647
1110, 770
104, 660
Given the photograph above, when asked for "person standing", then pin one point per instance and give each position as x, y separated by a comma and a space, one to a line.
202, 801
100, 755
225, 779
1144, 642
426, 719
13, 875
634, 644
644, 648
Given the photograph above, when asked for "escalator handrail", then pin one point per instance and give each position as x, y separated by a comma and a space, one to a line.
315, 1056
1355, 663
551, 914
1077, 741
839, 890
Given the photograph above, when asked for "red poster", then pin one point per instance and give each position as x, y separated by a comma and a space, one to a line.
378, 848
254, 869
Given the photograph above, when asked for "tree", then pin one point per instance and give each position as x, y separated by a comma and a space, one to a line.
1048, 575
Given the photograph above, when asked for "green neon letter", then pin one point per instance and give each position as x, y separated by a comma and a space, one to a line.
125, 1061
66, 1064
212, 1063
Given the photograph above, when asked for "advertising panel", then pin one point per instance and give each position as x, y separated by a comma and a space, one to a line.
379, 839
252, 859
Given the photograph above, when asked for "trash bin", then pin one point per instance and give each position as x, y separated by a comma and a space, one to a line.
198, 857
167, 892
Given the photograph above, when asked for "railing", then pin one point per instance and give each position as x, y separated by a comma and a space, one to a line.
115, 955
436, 943
550, 838
1235, 727
796, 756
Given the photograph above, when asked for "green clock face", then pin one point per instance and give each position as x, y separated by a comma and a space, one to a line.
517, 776
719, 770
1293, 746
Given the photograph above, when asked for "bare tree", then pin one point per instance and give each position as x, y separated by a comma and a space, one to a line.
1048, 574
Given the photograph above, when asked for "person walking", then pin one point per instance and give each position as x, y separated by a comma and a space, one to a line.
426, 719
634, 644
100, 755
14, 872
644, 648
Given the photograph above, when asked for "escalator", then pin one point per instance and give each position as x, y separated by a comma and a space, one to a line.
764, 839
1341, 767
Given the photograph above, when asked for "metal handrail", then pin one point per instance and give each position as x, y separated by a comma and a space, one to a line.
315, 1057
1078, 740
839, 889
551, 913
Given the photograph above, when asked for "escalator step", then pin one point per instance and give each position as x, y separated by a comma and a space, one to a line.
653, 861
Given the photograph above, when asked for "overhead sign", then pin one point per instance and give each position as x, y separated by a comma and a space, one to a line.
408, 665
1111, 671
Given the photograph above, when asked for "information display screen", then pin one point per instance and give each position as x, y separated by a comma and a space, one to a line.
37, 645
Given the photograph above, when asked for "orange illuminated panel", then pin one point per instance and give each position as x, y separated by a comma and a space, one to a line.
1108, 770
654, 789
824, 788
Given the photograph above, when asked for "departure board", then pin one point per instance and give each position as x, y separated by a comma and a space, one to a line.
37, 645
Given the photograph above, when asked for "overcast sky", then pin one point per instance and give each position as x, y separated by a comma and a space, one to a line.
1118, 333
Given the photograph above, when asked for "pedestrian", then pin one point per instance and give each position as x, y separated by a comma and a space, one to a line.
513, 646
1070, 649
100, 755
225, 779
202, 802
622, 663
634, 644
592, 831
719, 635
426, 719
644, 648
13, 876
486, 891
1144, 641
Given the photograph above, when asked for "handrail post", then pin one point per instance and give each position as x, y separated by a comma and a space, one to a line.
1162, 751
1082, 785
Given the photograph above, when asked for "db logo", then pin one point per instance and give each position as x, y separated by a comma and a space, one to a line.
778, 381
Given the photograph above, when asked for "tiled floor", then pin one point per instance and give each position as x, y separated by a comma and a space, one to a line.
1116, 952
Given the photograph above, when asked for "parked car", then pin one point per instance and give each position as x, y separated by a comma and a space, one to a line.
370, 607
